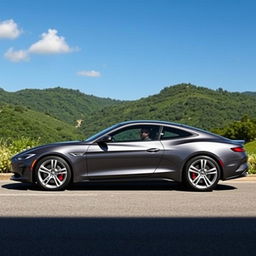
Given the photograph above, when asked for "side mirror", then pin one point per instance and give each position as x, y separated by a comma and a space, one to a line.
105, 139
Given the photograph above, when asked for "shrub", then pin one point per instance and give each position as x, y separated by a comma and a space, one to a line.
252, 163
22, 144
9, 147
5, 162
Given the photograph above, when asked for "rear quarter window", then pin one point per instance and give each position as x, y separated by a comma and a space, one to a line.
169, 133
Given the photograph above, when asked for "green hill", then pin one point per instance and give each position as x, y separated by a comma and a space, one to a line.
250, 93
183, 103
64, 104
46, 113
18, 121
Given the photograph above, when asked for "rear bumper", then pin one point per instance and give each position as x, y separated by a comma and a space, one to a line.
244, 174
238, 171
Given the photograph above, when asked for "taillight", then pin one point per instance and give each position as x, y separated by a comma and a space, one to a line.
238, 149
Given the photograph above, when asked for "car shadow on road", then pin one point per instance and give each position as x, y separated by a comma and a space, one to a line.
21, 186
127, 236
134, 185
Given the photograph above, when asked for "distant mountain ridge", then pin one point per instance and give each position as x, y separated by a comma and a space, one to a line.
182, 103
64, 104
250, 93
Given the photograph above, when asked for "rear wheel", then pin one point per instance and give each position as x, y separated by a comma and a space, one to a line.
53, 173
202, 173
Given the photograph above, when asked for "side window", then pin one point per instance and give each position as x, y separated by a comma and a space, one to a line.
127, 135
136, 133
169, 133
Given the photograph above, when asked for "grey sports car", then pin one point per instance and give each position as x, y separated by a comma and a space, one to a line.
135, 150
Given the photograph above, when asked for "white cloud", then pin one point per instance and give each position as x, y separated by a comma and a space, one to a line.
9, 29
91, 73
16, 56
50, 43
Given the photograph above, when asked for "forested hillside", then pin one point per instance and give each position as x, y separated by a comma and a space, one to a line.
183, 103
18, 121
34, 113
250, 93
64, 104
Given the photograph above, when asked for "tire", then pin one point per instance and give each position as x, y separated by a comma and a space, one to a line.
201, 173
52, 173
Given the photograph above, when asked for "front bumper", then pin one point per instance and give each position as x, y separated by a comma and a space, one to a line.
22, 171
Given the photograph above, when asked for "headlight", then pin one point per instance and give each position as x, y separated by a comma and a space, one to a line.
25, 156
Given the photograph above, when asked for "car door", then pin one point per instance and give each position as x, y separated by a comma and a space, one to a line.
126, 155
176, 150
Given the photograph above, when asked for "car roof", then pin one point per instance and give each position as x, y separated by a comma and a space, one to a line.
178, 125
149, 122
158, 122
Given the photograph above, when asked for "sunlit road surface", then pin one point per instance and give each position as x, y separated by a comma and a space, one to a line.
138, 199
128, 219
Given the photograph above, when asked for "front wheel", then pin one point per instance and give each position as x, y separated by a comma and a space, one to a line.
52, 173
202, 173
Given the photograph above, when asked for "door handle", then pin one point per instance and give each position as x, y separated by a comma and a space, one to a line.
153, 150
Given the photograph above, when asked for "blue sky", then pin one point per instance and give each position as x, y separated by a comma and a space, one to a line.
127, 49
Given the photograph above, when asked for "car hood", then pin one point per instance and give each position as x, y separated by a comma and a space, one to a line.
51, 145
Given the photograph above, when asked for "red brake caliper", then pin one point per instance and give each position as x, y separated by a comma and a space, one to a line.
193, 175
61, 177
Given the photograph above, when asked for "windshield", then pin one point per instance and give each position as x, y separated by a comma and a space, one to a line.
99, 134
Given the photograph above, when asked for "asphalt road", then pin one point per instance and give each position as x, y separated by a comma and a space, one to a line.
153, 218
151, 199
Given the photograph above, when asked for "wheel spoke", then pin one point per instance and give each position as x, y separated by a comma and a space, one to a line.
47, 179
54, 164
62, 171
211, 171
43, 171
57, 181
197, 179
193, 169
43, 168
203, 163
208, 183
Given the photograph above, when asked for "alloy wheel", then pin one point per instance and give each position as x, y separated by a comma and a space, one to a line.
53, 173
202, 173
